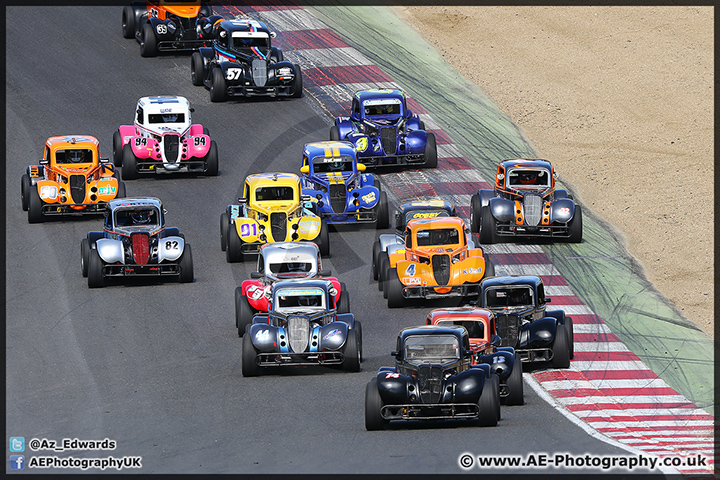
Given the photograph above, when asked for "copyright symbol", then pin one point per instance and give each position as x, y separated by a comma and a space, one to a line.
34, 444
466, 460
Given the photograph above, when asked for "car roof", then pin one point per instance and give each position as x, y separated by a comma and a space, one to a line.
436, 222
363, 95
272, 179
510, 280
302, 283
244, 25
329, 149
432, 330
526, 163
164, 104
289, 251
467, 313
73, 141
135, 202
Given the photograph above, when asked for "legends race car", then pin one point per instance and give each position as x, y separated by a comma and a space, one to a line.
168, 25
385, 132
283, 261
525, 203
302, 327
243, 63
331, 174
433, 379
272, 209
436, 262
135, 242
484, 343
164, 140
71, 179
519, 304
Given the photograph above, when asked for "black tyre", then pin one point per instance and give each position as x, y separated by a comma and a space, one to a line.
571, 335
224, 228
129, 163
218, 86
560, 348
575, 226
187, 274
233, 251
373, 407
487, 403
206, 131
249, 365
243, 311
148, 45
383, 266
128, 22
422, 125
121, 191
334, 133
496, 381
351, 352
516, 395
197, 69
84, 256
475, 213
25, 191
430, 151
488, 230
297, 85
95, 277
117, 149
375, 258
276, 55
489, 268
211, 159
343, 305
35, 205
394, 289
358, 329
323, 239
383, 219
206, 10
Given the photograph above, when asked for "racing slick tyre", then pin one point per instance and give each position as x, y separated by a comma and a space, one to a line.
233, 251
383, 266
186, 266
244, 313
84, 255
422, 125
128, 22
121, 191
148, 46
358, 328
343, 305
488, 230
375, 258
95, 275
383, 219
515, 384
249, 366
488, 416
334, 134
475, 213
575, 226
373, 407
560, 348
570, 333
297, 84
394, 288
323, 239
206, 10
351, 352
218, 86
495, 378
430, 151
197, 69
35, 205
224, 228
211, 160
489, 269
129, 163
25, 190
117, 149
206, 131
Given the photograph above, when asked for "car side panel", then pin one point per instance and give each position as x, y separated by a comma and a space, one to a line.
170, 248
111, 251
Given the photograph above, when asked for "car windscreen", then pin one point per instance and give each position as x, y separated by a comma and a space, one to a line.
139, 217
527, 177
240, 42
290, 269
386, 107
264, 194
509, 297
166, 118
431, 348
333, 164
302, 298
437, 236
75, 155
475, 329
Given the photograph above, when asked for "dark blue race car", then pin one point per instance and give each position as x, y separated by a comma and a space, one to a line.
332, 175
385, 132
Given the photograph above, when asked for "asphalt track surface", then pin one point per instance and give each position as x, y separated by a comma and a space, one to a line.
156, 366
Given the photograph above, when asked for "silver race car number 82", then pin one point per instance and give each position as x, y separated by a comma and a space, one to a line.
171, 245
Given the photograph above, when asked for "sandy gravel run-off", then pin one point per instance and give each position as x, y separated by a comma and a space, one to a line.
620, 100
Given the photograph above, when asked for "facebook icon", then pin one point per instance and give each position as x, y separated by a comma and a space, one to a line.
17, 462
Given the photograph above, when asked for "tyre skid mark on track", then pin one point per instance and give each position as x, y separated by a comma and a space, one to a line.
607, 388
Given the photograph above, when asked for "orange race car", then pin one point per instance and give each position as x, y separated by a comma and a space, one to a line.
436, 262
71, 179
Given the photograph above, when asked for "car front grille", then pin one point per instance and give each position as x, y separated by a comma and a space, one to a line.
338, 198
430, 383
298, 333
259, 72
441, 269
171, 146
77, 188
278, 226
388, 137
507, 328
140, 248
532, 208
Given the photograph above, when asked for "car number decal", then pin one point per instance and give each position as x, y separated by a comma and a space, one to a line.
233, 73
171, 245
392, 375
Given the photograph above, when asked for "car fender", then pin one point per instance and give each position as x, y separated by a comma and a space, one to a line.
470, 270
143, 147
94, 237
207, 54
344, 126
170, 248
562, 210
256, 295
197, 145
265, 337
110, 250
415, 142
161, 28
559, 315
126, 133
106, 189
502, 209
36, 173
274, 67
500, 362
468, 385
195, 130
388, 239
309, 227
247, 229
336, 286
367, 197
48, 190
393, 387
347, 318
414, 274
538, 334
232, 77
331, 336
367, 179
361, 142
396, 256
485, 196
413, 123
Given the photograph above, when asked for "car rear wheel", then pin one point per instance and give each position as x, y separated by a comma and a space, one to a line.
394, 289
488, 230
243, 311
35, 205
84, 256
373, 407
575, 226
117, 148
334, 133
233, 250
515, 384
351, 352
224, 227
121, 191
375, 258
148, 46
343, 305
358, 328
129, 163
489, 399
211, 160
323, 239
197, 69
382, 212
383, 266
95, 277
571, 333
249, 354
430, 151
186, 265
475, 213
560, 348
489, 268
25, 190
128, 22
218, 86
297, 85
